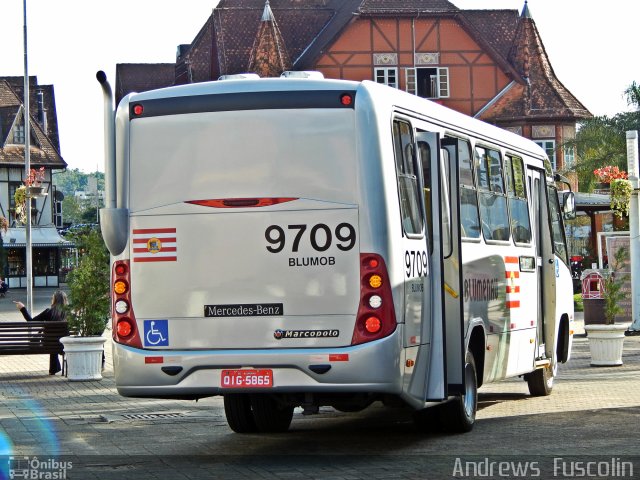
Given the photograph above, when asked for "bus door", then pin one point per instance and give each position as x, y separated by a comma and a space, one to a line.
416, 262
442, 315
545, 260
451, 258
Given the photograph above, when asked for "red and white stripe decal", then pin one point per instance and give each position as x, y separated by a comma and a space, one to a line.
512, 274
155, 245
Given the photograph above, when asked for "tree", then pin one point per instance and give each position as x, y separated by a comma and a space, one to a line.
88, 283
612, 287
71, 210
74, 210
601, 141
633, 95
73, 180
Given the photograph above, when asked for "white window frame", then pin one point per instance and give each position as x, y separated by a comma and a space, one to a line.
57, 213
385, 73
549, 146
569, 156
442, 81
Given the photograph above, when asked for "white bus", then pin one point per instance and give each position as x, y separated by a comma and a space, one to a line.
303, 242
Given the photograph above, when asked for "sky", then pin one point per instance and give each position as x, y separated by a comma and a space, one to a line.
589, 45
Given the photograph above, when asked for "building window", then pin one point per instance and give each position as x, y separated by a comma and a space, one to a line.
569, 156
13, 186
18, 134
387, 76
430, 82
549, 146
57, 209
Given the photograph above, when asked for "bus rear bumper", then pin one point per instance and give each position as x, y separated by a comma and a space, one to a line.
368, 368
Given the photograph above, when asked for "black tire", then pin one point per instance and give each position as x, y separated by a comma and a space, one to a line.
460, 413
237, 408
269, 415
540, 381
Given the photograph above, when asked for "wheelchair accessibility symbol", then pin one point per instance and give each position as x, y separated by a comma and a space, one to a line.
156, 333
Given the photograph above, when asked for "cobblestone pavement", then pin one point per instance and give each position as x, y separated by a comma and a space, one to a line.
591, 415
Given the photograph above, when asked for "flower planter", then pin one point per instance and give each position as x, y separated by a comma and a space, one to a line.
33, 192
605, 344
83, 356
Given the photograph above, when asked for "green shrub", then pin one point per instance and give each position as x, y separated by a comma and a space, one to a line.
88, 283
612, 287
577, 302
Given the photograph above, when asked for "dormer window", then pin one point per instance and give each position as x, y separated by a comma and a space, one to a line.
18, 134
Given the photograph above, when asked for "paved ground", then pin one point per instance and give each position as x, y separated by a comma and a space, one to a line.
592, 414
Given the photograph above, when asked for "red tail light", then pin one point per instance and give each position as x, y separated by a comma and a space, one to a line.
124, 321
241, 202
376, 317
124, 328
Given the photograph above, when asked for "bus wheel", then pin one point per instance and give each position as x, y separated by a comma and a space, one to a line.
237, 408
460, 413
540, 381
269, 414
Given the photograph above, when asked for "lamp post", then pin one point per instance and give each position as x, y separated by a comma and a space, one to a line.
634, 227
27, 167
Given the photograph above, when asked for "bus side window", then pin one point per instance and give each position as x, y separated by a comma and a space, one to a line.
493, 201
445, 201
406, 168
424, 150
557, 228
518, 205
469, 219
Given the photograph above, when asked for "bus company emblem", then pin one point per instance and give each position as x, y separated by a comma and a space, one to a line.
285, 334
154, 245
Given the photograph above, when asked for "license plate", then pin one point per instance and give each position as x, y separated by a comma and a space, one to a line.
246, 378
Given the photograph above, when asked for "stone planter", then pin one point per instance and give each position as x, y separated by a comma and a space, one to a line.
605, 344
83, 356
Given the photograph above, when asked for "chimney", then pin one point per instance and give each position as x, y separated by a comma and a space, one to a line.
42, 114
181, 50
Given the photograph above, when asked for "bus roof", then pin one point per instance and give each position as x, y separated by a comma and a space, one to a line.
382, 95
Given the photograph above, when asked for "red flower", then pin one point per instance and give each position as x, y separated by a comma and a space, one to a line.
609, 173
35, 177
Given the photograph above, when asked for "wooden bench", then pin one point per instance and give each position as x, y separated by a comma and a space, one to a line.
32, 338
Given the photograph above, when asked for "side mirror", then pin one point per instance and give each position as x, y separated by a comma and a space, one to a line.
569, 205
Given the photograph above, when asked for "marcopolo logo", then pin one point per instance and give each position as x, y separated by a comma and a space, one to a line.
284, 334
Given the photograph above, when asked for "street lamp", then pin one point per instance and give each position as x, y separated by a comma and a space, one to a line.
634, 227
27, 167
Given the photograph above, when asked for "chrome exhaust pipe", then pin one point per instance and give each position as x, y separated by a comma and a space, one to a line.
109, 142
114, 220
